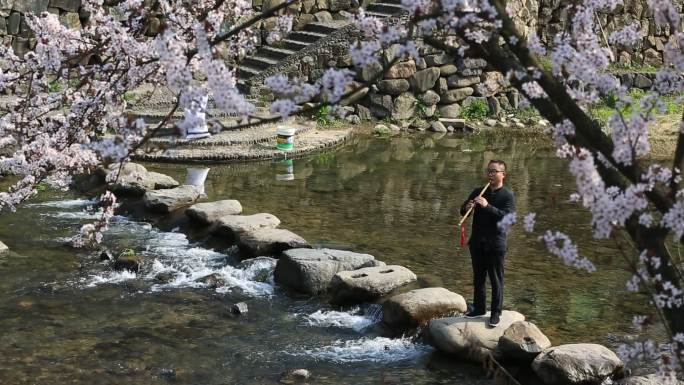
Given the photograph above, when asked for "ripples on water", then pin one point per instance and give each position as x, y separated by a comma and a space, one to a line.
172, 255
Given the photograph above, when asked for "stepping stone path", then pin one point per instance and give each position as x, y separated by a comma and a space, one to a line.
415, 308
210, 212
369, 283
577, 364
170, 200
351, 277
311, 270
469, 338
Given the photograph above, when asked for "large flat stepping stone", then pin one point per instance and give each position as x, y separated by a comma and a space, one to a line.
368, 283
269, 242
234, 225
522, 341
311, 270
575, 364
134, 179
210, 212
469, 338
417, 307
169, 200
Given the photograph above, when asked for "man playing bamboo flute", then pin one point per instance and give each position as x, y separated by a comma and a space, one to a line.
488, 242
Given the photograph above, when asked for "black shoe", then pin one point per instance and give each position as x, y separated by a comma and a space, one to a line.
474, 314
494, 320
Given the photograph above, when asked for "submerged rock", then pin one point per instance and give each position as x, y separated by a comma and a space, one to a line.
239, 308
296, 376
169, 200
311, 270
575, 364
260, 268
105, 255
128, 261
522, 341
165, 277
265, 242
368, 283
212, 280
469, 338
209, 212
417, 307
234, 225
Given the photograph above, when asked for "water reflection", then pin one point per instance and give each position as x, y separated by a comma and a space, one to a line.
398, 198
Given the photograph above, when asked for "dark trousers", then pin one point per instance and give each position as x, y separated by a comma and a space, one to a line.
487, 263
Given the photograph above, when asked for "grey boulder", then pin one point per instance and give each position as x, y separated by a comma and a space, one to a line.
169, 200
469, 338
368, 283
522, 341
311, 270
210, 212
575, 364
417, 307
269, 242
234, 225
134, 179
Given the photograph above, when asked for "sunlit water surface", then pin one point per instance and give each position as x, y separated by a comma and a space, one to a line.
66, 317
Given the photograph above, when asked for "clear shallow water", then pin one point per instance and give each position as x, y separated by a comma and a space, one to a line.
65, 317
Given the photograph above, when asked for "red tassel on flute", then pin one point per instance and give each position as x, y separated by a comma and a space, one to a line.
463, 234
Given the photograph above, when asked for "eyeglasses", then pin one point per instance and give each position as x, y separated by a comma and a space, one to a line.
493, 171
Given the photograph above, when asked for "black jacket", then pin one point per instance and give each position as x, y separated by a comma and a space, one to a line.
485, 230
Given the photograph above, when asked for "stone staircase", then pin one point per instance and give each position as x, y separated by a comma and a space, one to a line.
255, 67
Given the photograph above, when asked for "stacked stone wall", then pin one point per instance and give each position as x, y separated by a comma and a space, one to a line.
554, 17
14, 30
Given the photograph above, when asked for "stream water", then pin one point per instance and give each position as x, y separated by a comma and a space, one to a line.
65, 317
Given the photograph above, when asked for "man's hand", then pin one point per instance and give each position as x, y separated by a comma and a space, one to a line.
481, 201
469, 205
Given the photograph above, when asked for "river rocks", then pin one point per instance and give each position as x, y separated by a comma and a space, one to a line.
234, 225
522, 341
128, 261
31, 6
210, 212
470, 338
259, 269
417, 307
311, 270
170, 200
268, 242
239, 308
423, 80
67, 5
296, 376
651, 379
3, 248
212, 281
368, 283
576, 364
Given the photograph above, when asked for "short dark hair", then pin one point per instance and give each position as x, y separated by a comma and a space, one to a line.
497, 161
